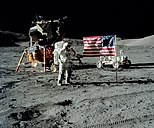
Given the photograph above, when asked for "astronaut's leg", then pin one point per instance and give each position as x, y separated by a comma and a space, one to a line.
61, 74
68, 73
66, 77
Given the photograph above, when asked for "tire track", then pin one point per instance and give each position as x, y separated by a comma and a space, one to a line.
126, 121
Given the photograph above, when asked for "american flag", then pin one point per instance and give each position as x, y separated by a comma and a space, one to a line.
99, 45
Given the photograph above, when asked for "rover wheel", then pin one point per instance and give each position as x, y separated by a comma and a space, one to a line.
99, 64
115, 65
127, 65
129, 62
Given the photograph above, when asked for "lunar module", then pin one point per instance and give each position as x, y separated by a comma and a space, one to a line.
43, 35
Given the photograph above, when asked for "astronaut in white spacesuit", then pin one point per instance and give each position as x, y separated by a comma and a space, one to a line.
57, 47
65, 63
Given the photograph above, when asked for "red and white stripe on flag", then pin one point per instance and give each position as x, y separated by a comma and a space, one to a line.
99, 46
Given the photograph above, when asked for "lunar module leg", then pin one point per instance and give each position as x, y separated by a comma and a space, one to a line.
31, 59
20, 60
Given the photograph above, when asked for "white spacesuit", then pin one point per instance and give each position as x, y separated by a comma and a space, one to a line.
57, 47
65, 64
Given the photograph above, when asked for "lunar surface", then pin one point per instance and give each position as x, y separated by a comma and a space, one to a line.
97, 97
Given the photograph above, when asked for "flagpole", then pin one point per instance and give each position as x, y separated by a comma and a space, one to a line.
116, 56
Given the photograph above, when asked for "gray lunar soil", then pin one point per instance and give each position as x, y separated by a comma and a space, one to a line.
97, 98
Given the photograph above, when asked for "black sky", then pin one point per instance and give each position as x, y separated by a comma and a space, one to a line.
127, 19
